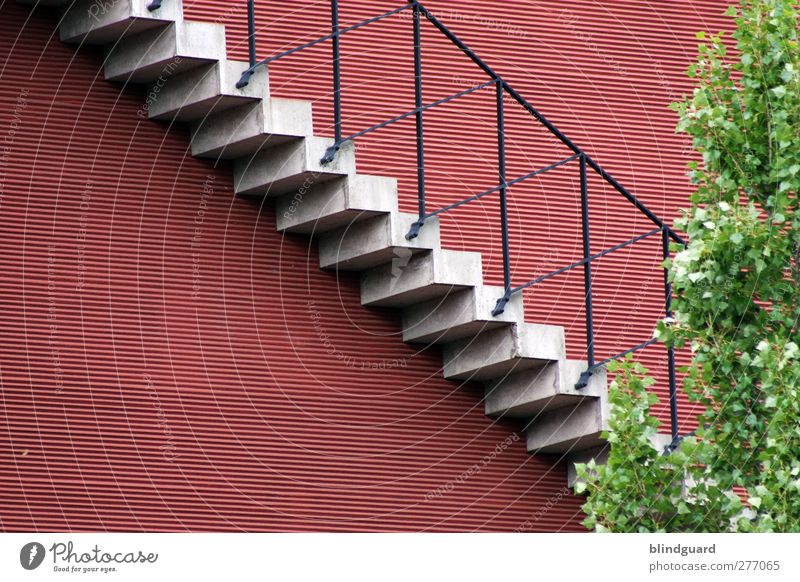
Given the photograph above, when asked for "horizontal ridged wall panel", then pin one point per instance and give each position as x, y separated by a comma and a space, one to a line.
170, 362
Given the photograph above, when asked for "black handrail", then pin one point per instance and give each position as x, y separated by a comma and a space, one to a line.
673, 383
501, 170
501, 87
251, 32
587, 265
337, 73
418, 117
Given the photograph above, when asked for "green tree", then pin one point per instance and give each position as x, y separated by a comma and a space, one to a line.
737, 305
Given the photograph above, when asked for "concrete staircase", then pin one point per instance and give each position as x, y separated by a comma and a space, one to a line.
355, 217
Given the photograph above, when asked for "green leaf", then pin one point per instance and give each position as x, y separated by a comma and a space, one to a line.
695, 277
736, 304
779, 91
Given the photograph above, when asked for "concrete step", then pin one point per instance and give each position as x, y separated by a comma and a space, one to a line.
108, 21
600, 455
420, 277
375, 241
459, 315
156, 55
495, 353
205, 90
571, 428
291, 167
336, 204
533, 391
246, 130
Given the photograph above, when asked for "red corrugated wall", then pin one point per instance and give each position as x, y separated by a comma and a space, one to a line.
169, 362
603, 72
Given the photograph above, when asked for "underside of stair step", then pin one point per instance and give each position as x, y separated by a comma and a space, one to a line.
497, 353
415, 278
291, 167
376, 241
106, 22
336, 204
164, 52
246, 130
459, 315
356, 217
525, 394
210, 88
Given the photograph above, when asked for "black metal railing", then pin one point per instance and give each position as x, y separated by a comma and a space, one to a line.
502, 88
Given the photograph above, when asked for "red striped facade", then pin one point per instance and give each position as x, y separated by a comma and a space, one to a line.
169, 362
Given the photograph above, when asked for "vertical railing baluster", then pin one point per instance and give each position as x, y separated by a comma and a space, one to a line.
251, 31
417, 15
673, 382
587, 267
501, 171
337, 73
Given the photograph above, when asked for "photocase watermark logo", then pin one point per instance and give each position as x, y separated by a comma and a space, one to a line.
68, 558
31, 555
